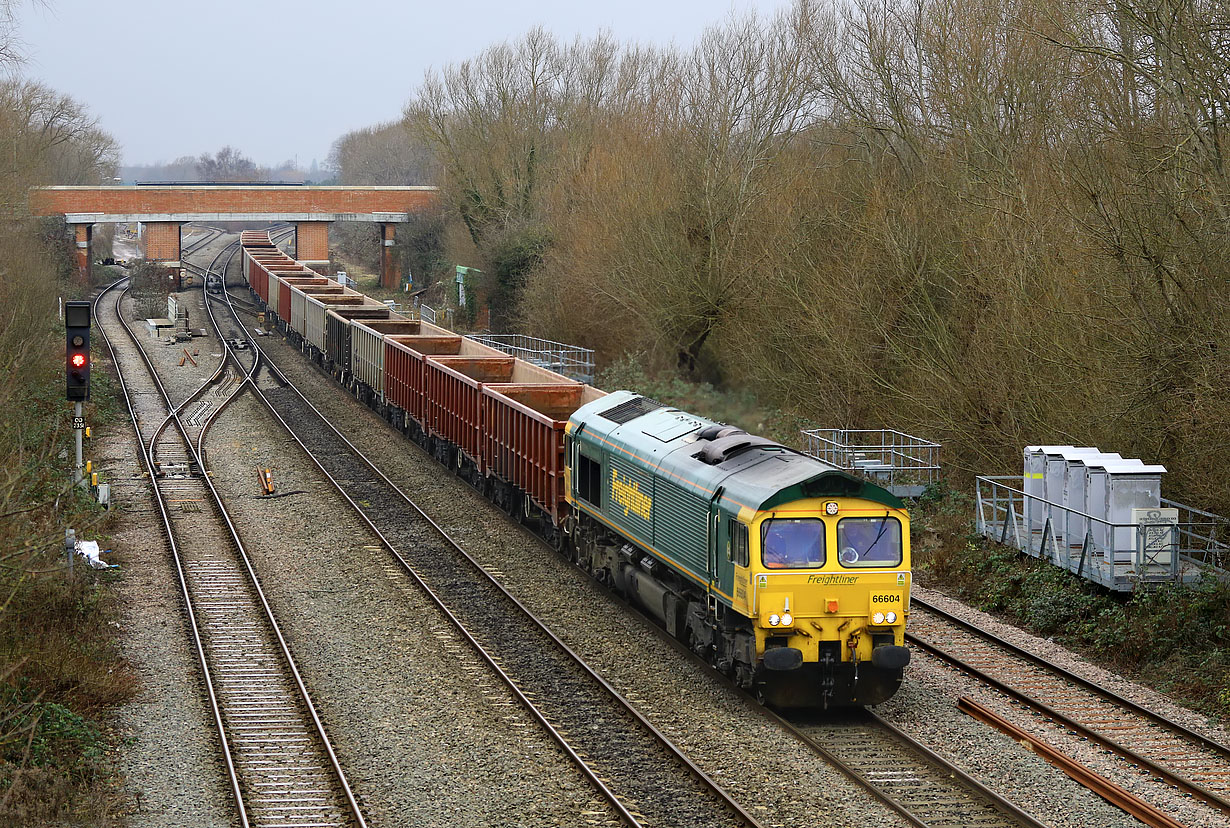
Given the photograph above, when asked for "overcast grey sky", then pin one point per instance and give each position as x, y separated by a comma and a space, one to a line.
168, 78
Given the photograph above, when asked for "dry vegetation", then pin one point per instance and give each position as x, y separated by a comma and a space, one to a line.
59, 671
991, 223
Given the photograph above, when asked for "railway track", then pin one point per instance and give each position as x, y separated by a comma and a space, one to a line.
918, 783
1169, 752
280, 766
645, 778
924, 788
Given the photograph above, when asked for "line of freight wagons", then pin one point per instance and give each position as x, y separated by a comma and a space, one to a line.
505, 416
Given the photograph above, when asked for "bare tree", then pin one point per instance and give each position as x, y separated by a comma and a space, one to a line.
383, 154
228, 164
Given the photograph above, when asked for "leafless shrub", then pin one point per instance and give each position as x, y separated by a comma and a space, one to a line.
993, 222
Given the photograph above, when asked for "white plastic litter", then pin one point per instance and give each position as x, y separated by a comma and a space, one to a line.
89, 550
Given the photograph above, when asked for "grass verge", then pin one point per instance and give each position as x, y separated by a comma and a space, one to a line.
61, 674
739, 408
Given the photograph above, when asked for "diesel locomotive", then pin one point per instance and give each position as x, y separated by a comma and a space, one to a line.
786, 574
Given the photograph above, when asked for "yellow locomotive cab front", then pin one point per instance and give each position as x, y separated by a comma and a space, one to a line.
828, 592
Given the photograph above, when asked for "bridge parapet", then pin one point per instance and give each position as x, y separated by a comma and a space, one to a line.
310, 208
209, 202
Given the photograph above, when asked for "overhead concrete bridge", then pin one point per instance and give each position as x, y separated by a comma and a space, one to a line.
164, 209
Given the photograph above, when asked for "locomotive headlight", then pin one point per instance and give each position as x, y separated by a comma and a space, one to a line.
892, 618
878, 618
787, 619
774, 620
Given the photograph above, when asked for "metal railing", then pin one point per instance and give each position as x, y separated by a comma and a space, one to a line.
427, 313
1118, 556
1203, 536
572, 361
903, 463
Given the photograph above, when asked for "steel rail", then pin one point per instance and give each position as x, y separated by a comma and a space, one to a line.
305, 696
282, 647
211, 233
200, 390
228, 352
1114, 794
1069, 676
1164, 774
624, 813
160, 502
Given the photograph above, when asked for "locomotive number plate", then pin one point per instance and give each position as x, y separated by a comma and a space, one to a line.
886, 600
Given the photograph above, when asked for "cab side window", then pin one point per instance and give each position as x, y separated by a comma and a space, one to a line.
589, 480
737, 549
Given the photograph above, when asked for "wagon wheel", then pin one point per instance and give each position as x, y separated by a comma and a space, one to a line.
525, 515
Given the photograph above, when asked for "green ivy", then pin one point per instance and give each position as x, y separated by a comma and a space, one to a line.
61, 738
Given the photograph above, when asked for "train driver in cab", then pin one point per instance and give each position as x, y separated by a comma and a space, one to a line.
869, 541
794, 544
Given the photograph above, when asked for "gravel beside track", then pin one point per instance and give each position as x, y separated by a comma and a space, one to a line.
426, 735
775, 776
168, 757
770, 773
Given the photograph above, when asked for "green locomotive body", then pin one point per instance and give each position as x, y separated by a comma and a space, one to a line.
746, 549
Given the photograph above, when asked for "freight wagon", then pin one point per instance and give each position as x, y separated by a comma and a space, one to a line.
786, 574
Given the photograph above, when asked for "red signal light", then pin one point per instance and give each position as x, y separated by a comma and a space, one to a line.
78, 360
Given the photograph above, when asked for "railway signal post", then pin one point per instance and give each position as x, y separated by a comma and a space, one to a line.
77, 372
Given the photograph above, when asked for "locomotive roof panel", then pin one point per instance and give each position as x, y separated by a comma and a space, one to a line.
705, 456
